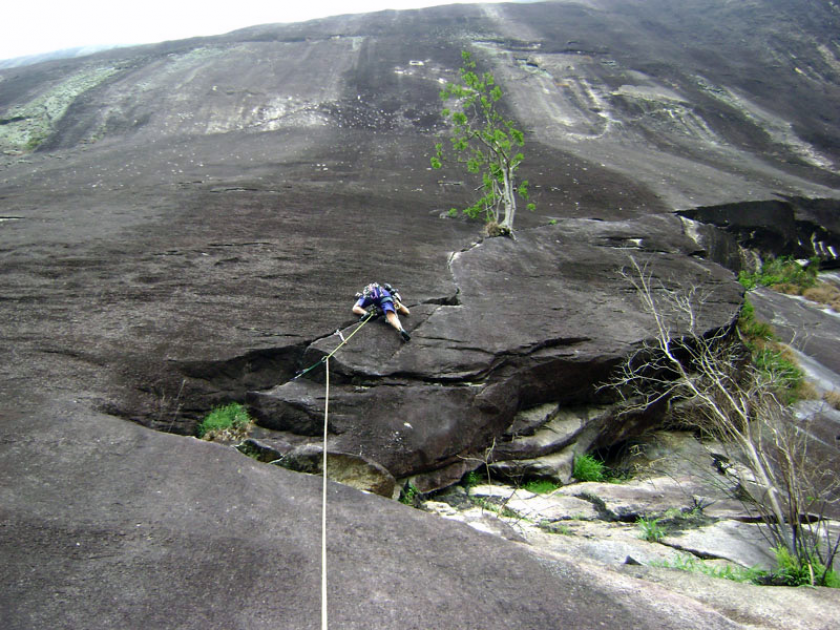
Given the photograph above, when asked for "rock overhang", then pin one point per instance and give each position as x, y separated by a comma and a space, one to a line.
542, 317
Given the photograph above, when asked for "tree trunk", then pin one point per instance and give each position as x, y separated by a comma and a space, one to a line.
509, 201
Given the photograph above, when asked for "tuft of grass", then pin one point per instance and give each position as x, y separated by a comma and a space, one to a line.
493, 229
824, 293
772, 359
556, 528
588, 468
497, 508
684, 518
541, 486
783, 274
651, 530
782, 371
753, 331
225, 422
727, 572
472, 479
409, 494
794, 571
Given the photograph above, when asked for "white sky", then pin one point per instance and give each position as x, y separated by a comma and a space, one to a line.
37, 26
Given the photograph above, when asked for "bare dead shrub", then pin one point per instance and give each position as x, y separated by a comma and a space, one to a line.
736, 402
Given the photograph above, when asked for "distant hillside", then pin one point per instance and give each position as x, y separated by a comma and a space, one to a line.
66, 53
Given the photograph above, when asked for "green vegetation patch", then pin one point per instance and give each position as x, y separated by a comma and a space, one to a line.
226, 422
27, 125
786, 275
782, 371
774, 361
795, 571
753, 331
783, 274
541, 486
588, 468
734, 573
650, 529
473, 479
410, 495
789, 571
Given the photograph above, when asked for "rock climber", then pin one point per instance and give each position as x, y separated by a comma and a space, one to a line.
385, 298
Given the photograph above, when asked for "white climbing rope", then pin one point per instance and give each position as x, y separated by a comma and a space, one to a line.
324, 623
326, 361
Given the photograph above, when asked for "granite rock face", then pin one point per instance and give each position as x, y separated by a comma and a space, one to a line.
538, 319
185, 224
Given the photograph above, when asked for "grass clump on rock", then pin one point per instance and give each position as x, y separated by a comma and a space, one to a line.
773, 360
588, 468
731, 572
783, 274
793, 570
651, 530
787, 275
228, 422
541, 486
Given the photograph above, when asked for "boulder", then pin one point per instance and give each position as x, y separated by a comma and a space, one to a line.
527, 421
556, 467
561, 430
351, 470
648, 498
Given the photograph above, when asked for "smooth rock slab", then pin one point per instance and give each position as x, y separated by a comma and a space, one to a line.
479, 519
556, 467
558, 432
351, 470
645, 498
742, 543
770, 607
537, 507
604, 543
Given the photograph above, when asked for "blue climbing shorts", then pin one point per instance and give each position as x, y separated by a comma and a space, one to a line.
386, 304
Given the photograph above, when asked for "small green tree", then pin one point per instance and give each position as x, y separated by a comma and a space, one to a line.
486, 142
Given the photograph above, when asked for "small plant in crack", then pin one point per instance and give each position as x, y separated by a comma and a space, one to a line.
228, 422
541, 486
409, 495
650, 529
472, 479
555, 528
734, 573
